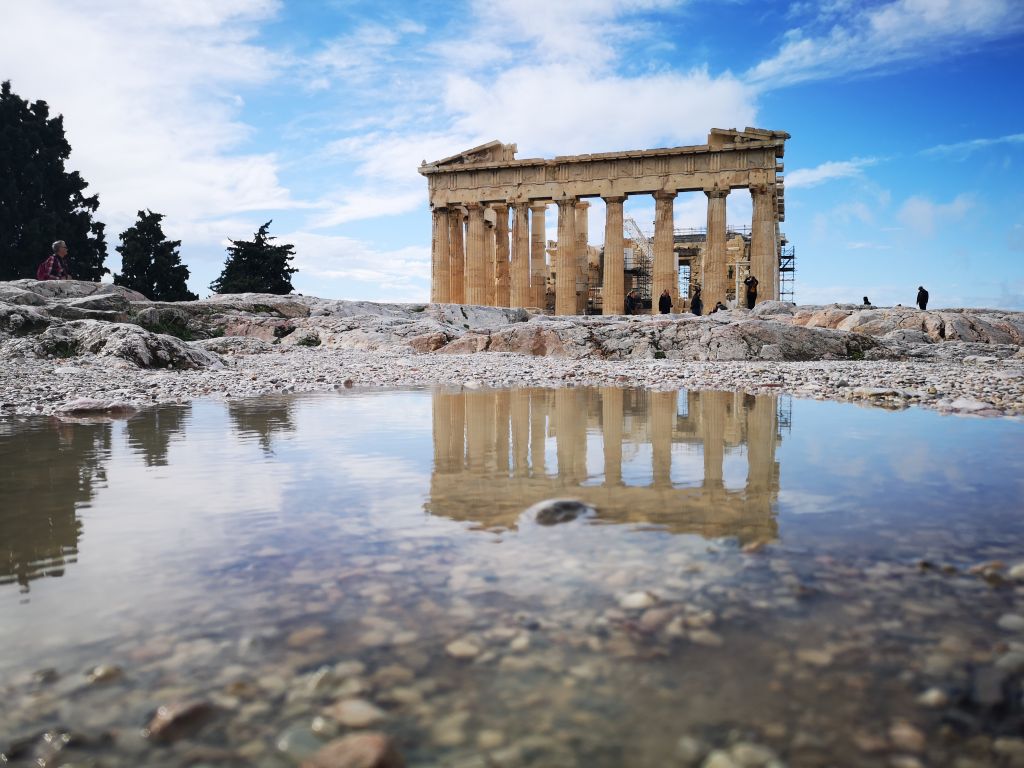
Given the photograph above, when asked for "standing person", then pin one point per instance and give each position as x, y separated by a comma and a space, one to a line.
630, 303
696, 303
866, 302
751, 283
665, 302
922, 297
55, 266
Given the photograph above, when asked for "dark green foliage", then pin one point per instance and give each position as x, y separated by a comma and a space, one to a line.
256, 266
39, 201
150, 263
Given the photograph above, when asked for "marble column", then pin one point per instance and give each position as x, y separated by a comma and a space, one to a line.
538, 255
476, 256
666, 265
613, 290
611, 427
489, 248
582, 260
565, 269
458, 251
440, 259
764, 257
501, 271
716, 279
519, 293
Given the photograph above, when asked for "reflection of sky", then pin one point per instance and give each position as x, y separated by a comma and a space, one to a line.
155, 537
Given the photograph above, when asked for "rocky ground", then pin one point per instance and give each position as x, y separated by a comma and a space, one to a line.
74, 346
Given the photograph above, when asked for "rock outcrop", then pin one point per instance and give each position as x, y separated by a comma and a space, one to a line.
68, 318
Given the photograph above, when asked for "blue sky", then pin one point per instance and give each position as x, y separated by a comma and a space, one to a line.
906, 116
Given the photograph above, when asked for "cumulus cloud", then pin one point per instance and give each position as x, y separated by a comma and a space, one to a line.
920, 215
861, 39
841, 169
151, 126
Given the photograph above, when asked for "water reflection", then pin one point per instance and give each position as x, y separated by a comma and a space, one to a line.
150, 432
662, 457
39, 525
263, 419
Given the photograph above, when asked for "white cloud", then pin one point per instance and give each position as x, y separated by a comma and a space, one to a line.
861, 39
151, 97
962, 149
810, 177
920, 214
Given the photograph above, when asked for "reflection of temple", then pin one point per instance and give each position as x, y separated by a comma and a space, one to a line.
491, 458
53, 473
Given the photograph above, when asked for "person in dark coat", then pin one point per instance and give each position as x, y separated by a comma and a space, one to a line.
866, 302
922, 297
631, 303
665, 302
697, 303
751, 283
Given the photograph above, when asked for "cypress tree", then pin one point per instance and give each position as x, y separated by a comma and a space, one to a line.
256, 266
150, 263
40, 201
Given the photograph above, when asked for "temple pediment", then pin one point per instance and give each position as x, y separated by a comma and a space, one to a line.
491, 152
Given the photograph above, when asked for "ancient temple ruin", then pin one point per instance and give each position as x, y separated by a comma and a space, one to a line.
474, 260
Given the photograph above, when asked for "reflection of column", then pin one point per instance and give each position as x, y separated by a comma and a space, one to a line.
442, 406
478, 418
440, 258
519, 412
538, 255
662, 415
501, 411
489, 248
611, 423
565, 269
538, 431
613, 292
476, 256
761, 429
764, 262
716, 280
582, 259
567, 444
501, 276
520, 279
712, 408
458, 264
666, 265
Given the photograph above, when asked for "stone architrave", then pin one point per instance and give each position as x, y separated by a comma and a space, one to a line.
582, 257
666, 265
520, 279
440, 259
613, 290
538, 255
476, 256
456, 231
716, 278
764, 259
565, 269
501, 266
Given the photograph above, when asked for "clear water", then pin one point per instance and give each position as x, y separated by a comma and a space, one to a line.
758, 570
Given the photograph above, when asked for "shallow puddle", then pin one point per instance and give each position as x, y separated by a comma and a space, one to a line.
773, 579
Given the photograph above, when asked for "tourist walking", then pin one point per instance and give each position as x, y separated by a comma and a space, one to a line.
665, 302
55, 266
696, 303
922, 297
751, 283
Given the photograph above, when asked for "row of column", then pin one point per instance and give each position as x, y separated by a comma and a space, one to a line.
487, 272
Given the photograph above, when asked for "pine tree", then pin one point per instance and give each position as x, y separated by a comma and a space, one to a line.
256, 266
150, 263
40, 201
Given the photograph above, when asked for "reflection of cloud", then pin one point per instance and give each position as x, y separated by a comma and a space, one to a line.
798, 502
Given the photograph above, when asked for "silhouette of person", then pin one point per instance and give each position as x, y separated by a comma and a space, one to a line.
922, 297
866, 302
665, 302
751, 283
696, 303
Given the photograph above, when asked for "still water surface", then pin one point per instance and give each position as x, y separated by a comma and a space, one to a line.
790, 574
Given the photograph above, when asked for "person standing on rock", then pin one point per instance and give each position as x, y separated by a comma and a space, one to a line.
55, 266
866, 302
922, 298
665, 302
630, 303
697, 303
751, 283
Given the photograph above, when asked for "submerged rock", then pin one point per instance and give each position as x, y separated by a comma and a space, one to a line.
357, 750
557, 511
